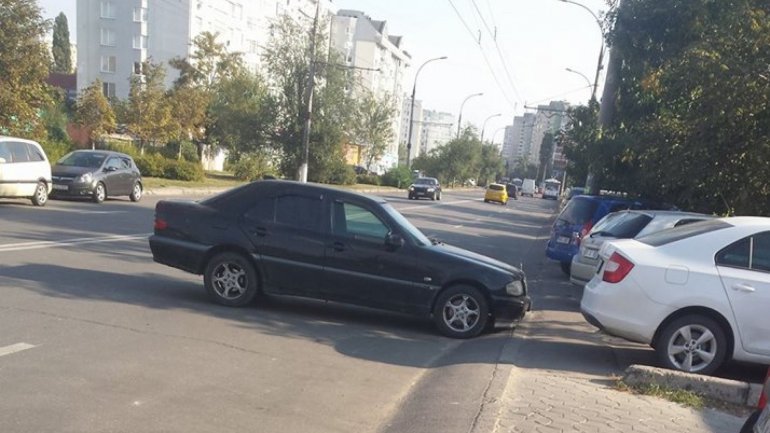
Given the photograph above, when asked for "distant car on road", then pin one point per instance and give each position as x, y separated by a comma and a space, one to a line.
428, 187
497, 193
528, 187
623, 225
97, 174
24, 170
759, 421
512, 190
699, 294
287, 238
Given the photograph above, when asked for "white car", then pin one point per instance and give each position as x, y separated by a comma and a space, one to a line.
699, 294
24, 170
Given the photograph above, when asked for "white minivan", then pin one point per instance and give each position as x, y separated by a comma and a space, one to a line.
528, 187
24, 170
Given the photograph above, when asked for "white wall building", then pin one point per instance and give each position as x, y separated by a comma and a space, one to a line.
115, 36
416, 125
518, 138
380, 63
549, 118
437, 129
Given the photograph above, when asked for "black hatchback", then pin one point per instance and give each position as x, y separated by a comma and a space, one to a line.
96, 174
288, 238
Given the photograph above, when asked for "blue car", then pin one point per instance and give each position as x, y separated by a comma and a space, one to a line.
576, 220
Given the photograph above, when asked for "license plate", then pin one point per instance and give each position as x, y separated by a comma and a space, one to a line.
562, 240
60, 187
763, 423
591, 254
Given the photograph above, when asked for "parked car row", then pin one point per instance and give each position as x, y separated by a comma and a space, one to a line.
25, 172
694, 287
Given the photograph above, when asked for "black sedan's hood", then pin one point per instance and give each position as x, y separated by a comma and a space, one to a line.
470, 256
68, 170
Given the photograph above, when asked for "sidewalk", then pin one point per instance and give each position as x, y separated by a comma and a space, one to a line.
167, 191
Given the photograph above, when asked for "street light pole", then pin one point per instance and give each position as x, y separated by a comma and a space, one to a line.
460, 117
411, 111
309, 104
485, 125
599, 65
582, 75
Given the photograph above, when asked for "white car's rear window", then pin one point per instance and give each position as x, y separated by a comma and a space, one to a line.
683, 232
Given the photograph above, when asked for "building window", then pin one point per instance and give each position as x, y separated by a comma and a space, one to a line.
108, 89
140, 15
108, 37
138, 68
140, 42
108, 10
108, 64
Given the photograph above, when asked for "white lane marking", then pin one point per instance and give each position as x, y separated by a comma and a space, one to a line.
434, 205
13, 348
457, 227
69, 242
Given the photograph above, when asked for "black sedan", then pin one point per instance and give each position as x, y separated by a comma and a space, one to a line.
96, 174
287, 238
428, 187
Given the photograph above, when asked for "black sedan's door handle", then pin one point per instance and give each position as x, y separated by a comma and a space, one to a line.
260, 231
338, 246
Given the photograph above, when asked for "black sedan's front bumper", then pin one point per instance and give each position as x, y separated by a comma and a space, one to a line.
423, 193
510, 309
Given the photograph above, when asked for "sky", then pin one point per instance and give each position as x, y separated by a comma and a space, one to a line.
523, 66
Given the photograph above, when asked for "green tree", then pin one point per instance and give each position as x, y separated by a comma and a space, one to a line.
189, 106
94, 113
374, 126
546, 155
60, 48
241, 114
581, 141
209, 63
693, 108
149, 115
24, 64
491, 164
287, 60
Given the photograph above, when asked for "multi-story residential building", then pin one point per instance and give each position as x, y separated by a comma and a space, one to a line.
548, 118
379, 61
115, 37
416, 125
436, 131
517, 142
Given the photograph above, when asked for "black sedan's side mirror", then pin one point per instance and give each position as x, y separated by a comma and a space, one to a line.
394, 241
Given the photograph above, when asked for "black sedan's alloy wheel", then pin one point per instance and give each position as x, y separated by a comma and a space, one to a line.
461, 312
230, 280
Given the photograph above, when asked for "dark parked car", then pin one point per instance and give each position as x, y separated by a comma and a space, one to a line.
513, 190
576, 220
425, 187
96, 174
287, 238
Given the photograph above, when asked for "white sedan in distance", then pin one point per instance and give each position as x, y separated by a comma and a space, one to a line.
699, 294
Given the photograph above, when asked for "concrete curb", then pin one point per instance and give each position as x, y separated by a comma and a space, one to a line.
178, 190
716, 388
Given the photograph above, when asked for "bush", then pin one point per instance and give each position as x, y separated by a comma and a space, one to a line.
55, 149
400, 177
153, 165
122, 147
341, 174
183, 170
189, 150
369, 179
251, 167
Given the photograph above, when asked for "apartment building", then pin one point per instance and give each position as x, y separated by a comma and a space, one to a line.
114, 37
379, 61
437, 130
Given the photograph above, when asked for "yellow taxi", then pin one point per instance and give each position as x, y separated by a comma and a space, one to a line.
496, 192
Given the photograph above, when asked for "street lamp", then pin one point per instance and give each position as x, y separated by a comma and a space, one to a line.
411, 111
599, 65
582, 75
485, 125
460, 118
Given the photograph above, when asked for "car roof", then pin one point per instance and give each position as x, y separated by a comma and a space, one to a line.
748, 221
310, 186
24, 140
666, 213
102, 152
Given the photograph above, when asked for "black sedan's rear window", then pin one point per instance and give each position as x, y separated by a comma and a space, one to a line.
683, 232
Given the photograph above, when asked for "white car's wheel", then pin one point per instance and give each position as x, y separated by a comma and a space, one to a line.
694, 344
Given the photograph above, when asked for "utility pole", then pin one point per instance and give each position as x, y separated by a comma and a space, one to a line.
302, 175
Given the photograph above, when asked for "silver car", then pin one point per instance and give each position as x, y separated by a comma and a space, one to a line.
627, 224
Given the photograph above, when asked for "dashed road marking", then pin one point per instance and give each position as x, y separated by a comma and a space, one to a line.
13, 348
69, 242
434, 205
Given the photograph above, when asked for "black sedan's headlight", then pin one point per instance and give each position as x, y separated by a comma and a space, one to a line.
515, 288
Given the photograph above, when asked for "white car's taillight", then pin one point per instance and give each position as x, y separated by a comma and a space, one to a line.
617, 268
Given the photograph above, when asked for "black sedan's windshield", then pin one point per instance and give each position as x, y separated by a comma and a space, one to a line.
426, 181
411, 230
83, 159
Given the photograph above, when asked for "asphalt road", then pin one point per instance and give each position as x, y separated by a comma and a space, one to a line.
95, 337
